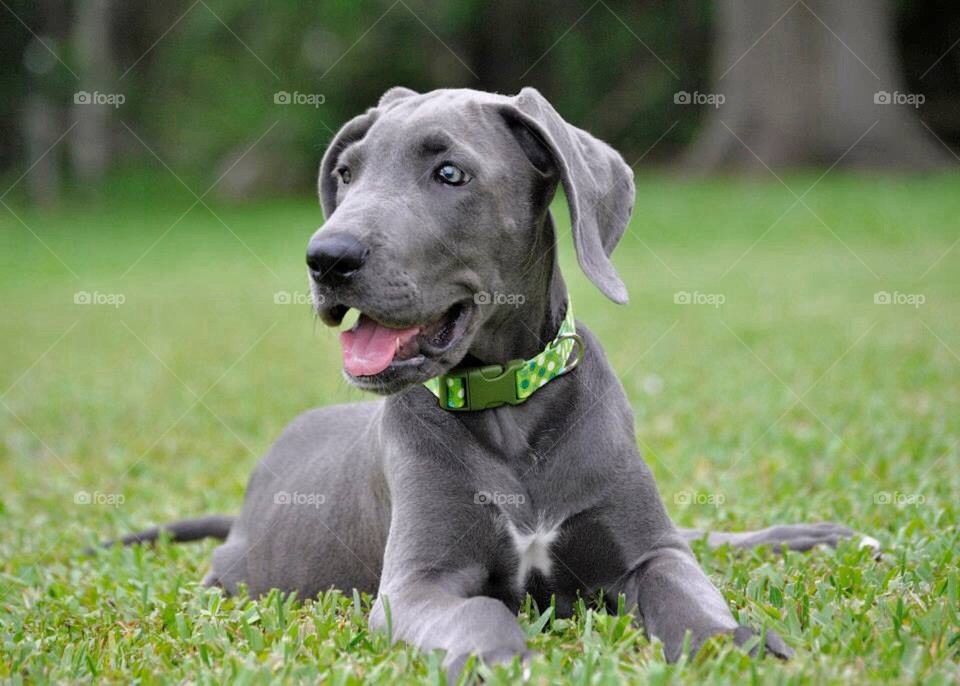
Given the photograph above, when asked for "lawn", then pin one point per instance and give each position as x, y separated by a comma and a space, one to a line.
144, 368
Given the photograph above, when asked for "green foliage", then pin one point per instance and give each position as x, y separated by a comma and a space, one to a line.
199, 79
102, 400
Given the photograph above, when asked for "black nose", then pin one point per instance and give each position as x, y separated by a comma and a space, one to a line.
338, 255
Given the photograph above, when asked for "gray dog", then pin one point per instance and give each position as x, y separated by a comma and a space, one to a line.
503, 461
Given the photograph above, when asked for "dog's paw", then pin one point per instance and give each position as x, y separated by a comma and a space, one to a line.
490, 658
873, 544
744, 636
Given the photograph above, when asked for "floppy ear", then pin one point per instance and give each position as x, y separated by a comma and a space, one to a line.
394, 94
352, 131
597, 182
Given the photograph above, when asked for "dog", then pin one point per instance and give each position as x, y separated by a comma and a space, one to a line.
503, 460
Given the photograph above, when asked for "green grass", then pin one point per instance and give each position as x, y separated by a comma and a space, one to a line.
160, 407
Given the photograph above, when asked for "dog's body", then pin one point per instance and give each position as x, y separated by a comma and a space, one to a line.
409, 488
453, 517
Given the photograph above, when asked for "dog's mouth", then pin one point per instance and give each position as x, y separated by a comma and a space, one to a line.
372, 347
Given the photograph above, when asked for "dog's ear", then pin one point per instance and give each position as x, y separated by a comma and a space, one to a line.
394, 94
597, 182
352, 131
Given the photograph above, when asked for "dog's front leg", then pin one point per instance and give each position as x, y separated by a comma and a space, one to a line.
435, 610
674, 597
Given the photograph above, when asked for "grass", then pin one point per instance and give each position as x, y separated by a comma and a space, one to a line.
798, 398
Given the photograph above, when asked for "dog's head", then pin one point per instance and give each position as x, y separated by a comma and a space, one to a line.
436, 205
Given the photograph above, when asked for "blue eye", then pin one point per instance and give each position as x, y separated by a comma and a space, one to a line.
451, 175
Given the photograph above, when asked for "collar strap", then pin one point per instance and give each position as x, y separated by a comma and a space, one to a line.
481, 388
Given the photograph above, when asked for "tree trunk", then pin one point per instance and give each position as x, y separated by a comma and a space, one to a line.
41, 125
804, 91
91, 142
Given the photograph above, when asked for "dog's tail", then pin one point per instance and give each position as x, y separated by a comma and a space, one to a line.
181, 531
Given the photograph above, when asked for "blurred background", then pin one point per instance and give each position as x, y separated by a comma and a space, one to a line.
791, 349
95, 90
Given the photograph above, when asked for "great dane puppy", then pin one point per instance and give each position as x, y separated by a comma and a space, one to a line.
437, 210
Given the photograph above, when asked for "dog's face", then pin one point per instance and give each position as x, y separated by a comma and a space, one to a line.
435, 202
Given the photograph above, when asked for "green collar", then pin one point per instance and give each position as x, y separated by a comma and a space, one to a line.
481, 388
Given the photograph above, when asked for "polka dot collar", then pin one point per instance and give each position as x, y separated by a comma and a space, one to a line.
481, 388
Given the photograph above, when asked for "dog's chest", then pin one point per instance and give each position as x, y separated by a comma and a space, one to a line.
558, 557
532, 550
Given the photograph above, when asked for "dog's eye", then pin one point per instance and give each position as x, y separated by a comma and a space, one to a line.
344, 174
451, 175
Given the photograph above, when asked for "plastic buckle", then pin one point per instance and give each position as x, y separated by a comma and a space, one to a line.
487, 387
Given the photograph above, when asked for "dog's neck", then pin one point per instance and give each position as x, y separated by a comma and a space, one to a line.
522, 332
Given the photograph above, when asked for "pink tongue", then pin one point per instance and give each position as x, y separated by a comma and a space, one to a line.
369, 347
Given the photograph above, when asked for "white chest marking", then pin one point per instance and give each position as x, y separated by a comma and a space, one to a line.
533, 549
